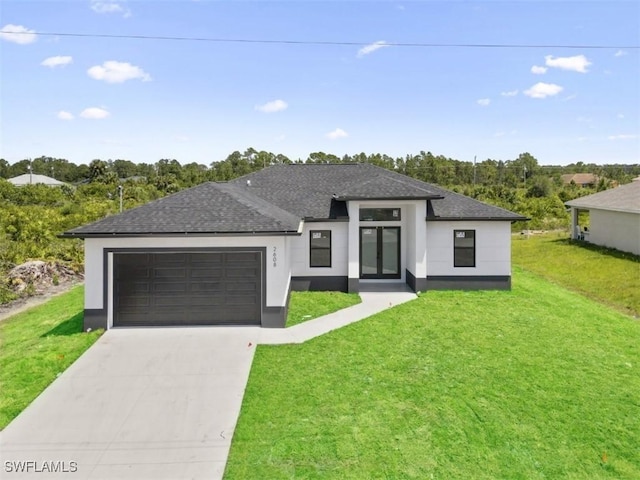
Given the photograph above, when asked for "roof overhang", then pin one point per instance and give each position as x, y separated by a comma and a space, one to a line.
180, 234
387, 198
605, 209
477, 219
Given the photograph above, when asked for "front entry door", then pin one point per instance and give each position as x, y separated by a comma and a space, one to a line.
379, 252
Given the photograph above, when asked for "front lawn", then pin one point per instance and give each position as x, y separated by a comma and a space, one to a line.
534, 383
609, 276
305, 306
38, 345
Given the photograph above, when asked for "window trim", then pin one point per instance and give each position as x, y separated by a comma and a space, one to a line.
312, 248
456, 249
379, 210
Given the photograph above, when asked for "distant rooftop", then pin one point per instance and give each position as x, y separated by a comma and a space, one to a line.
33, 178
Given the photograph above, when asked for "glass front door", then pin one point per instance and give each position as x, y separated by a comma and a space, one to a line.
379, 252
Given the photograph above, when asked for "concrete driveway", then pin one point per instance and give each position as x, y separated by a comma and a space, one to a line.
154, 403
141, 404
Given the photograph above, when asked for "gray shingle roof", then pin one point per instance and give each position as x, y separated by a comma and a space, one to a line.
307, 190
275, 199
455, 206
207, 208
625, 198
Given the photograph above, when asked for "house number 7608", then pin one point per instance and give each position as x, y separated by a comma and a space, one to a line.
275, 256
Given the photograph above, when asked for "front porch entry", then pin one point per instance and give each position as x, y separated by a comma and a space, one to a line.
380, 253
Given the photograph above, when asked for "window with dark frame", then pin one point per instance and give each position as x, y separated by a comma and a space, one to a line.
380, 215
464, 248
320, 248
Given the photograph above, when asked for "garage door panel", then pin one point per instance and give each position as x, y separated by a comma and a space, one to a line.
207, 287
187, 288
168, 301
215, 272
241, 287
129, 302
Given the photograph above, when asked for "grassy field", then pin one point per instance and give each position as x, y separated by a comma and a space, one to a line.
305, 306
38, 345
608, 276
535, 383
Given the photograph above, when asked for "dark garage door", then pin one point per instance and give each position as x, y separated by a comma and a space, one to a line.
187, 288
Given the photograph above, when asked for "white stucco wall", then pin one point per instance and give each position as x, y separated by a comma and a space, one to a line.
339, 250
493, 248
619, 230
278, 277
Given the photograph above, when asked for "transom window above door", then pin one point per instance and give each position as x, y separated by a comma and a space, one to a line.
380, 215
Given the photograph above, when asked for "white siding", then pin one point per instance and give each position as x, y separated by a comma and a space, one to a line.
339, 251
278, 277
493, 248
619, 230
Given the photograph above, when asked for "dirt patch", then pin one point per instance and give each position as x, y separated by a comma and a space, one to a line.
37, 282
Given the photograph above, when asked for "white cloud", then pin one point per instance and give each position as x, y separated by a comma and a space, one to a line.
272, 106
94, 113
577, 63
58, 61
18, 34
63, 115
620, 53
622, 137
372, 47
543, 90
117, 72
510, 93
538, 70
484, 102
337, 133
620, 115
499, 134
99, 6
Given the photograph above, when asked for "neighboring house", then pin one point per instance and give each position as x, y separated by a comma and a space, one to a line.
614, 217
580, 179
33, 178
230, 253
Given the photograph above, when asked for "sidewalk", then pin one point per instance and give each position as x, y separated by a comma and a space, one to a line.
372, 302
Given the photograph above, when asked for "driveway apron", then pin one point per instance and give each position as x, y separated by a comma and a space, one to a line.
156, 403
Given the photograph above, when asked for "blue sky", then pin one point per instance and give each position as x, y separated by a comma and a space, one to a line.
81, 98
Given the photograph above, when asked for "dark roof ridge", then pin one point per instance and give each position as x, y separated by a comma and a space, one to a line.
250, 200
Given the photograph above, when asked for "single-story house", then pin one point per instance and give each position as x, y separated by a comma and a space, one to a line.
34, 178
580, 179
230, 253
614, 218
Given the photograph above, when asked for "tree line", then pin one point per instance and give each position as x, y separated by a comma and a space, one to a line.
171, 175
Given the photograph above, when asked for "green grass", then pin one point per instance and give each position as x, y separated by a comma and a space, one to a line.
38, 345
536, 383
606, 275
305, 306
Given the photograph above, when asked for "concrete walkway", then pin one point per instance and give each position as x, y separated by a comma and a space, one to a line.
374, 300
152, 403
